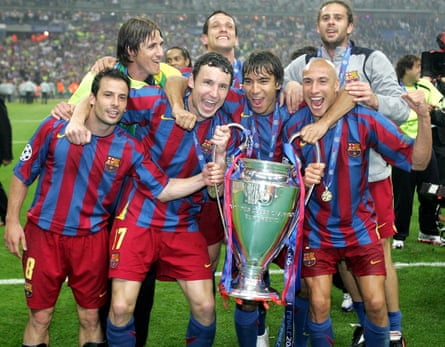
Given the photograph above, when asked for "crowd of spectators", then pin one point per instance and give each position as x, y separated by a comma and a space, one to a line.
77, 38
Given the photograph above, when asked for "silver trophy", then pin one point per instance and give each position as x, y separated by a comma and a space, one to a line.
263, 204
261, 208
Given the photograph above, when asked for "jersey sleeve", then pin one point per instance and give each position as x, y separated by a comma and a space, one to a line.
35, 152
388, 140
150, 178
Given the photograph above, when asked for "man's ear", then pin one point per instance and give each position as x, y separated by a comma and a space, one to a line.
191, 81
131, 54
350, 28
204, 40
91, 100
337, 85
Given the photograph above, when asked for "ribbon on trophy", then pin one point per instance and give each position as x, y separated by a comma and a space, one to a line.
245, 149
294, 248
260, 203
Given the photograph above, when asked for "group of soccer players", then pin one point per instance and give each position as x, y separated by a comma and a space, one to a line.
162, 223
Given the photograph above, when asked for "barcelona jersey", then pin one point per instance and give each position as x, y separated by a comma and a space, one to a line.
265, 129
78, 185
348, 219
180, 153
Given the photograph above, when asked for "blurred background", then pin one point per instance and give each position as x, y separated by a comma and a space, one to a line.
58, 40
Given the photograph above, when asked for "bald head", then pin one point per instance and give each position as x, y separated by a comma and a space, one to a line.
320, 85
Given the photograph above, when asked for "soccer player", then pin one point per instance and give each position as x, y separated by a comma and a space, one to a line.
340, 220
66, 234
257, 110
179, 57
162, 234
220, 35
139, 50
372, 81
256, 107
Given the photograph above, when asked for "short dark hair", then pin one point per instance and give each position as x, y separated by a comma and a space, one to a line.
184, 51
264, 60
205, 27
345, 4
110, 73
214, 60
309, 50
132, 34
440, 39
405, 63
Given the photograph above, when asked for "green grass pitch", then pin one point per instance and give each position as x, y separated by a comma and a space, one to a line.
421, 277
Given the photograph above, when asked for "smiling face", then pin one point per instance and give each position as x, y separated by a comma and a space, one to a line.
147, 60
175, 57
209, 90
261, 91
108, 106
320, 86
334, 25
221, 34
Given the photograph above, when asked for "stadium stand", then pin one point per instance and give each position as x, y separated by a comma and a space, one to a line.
58, 40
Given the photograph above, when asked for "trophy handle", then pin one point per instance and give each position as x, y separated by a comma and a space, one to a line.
317, 158
245, 146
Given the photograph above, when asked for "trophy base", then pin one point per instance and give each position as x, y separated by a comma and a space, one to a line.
258, 295
252, 287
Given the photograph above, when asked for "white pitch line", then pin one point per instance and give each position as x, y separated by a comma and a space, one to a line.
273, 272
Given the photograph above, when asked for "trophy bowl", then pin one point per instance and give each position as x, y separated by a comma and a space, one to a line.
263, 201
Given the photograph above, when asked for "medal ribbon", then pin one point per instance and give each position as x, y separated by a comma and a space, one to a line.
232, 172
274, 131
327, 180
293, 258
198, 148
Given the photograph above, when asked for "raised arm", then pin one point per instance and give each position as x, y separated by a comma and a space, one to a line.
76, 131
103, 63
423, 144
175, 88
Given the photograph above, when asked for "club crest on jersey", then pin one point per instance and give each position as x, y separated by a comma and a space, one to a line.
114, 260
352, 76
354, 149
207, 147
309, 258
27, 153
28, 289
112, 164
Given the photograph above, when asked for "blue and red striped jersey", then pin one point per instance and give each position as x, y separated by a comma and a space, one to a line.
266, 129
78, 185
349, 218
177, 152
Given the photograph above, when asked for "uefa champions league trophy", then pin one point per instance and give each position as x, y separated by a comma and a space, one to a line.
260, 209
263, 204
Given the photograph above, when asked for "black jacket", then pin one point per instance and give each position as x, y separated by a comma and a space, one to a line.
5, 133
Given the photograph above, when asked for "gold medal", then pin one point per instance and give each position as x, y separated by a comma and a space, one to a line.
326, 196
